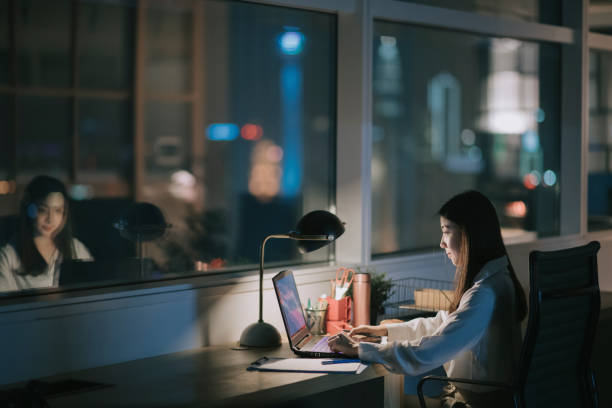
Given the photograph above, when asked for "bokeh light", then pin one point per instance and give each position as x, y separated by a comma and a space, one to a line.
516, 209
291, 42
251, 132
549, 178
222, 131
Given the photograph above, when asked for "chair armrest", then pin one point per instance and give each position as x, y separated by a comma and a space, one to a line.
495, 384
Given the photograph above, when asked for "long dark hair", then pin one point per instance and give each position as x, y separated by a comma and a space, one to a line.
480, 242
34, 195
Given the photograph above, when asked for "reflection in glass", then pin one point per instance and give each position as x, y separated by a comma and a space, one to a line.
105, 45
219, 113
600, 141
105, 148
6, 132
5, 43
453, 112
541, 11
43, 142
44, 43
169, 46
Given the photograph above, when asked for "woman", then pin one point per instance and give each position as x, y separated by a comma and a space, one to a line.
43, 240
479, 337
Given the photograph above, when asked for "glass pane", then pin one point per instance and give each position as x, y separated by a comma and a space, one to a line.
105, 158
43, 142
106, 45
5, 43
600, 16
453, 112
7, 153
235, 145
265, 152
542, 11
600, 141
169, 45
44, 42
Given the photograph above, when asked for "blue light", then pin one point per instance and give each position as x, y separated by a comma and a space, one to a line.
291, 42
291, 95
222, 131
531, 141
550, 178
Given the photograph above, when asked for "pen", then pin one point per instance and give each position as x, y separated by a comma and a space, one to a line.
340, 361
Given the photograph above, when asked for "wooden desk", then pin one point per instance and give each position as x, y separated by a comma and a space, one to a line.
217, 377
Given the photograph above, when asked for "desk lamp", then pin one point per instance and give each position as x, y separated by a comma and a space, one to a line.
314, 230
141, 222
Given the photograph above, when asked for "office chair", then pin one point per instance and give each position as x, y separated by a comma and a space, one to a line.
553, 370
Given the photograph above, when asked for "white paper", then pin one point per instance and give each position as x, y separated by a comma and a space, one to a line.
312, 364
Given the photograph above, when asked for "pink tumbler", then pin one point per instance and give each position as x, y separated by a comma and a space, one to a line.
361, 299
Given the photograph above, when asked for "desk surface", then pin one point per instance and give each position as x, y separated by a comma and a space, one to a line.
209, 376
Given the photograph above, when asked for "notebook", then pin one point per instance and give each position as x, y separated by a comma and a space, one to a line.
301, 341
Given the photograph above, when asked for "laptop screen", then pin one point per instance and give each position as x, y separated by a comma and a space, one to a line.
290, 305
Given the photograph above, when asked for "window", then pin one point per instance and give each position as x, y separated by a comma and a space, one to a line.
455, 111
600, 141
220, 113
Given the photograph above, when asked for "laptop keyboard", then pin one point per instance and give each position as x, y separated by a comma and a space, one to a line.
320, 346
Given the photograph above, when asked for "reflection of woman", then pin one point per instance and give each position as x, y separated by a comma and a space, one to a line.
43, 240
479, 337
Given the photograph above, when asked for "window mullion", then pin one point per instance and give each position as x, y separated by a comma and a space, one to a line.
574, 120
354, 133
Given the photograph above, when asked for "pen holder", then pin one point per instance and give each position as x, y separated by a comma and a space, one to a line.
315, 320
340, 310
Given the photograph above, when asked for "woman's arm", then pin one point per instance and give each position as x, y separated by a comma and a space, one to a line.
81, 251
460, 331
8, 263
416, 328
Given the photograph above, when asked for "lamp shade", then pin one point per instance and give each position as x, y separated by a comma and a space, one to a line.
317, 223
141, 222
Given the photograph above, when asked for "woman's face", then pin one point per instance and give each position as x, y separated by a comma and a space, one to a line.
50, 215
451, 239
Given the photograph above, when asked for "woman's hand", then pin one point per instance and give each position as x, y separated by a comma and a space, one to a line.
369, 331
344, 344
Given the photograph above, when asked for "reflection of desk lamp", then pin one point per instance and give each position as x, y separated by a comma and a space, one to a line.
314, 230
141, 222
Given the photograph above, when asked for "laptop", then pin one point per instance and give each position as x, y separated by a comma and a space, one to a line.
75, 272
301, 341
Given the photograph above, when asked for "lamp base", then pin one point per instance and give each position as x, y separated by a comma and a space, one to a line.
260, 334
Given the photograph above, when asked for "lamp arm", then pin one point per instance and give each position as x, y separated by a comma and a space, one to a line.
292, 236
261, 270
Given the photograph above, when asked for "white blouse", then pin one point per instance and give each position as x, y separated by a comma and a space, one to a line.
481, 340
12, 279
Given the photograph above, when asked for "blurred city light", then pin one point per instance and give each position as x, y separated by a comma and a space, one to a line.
222, 131
291, 42
550, 178
515, 209
183, 185
81, 192
530, 141
265, 175
251, 132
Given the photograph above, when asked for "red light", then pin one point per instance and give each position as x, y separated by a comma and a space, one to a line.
530, 181
251, 132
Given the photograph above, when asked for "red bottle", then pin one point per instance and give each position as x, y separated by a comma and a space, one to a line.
361, 299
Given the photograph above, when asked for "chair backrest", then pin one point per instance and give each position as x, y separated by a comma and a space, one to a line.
563, 314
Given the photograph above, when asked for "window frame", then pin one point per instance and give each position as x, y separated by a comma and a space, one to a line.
595, 42
354, 135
